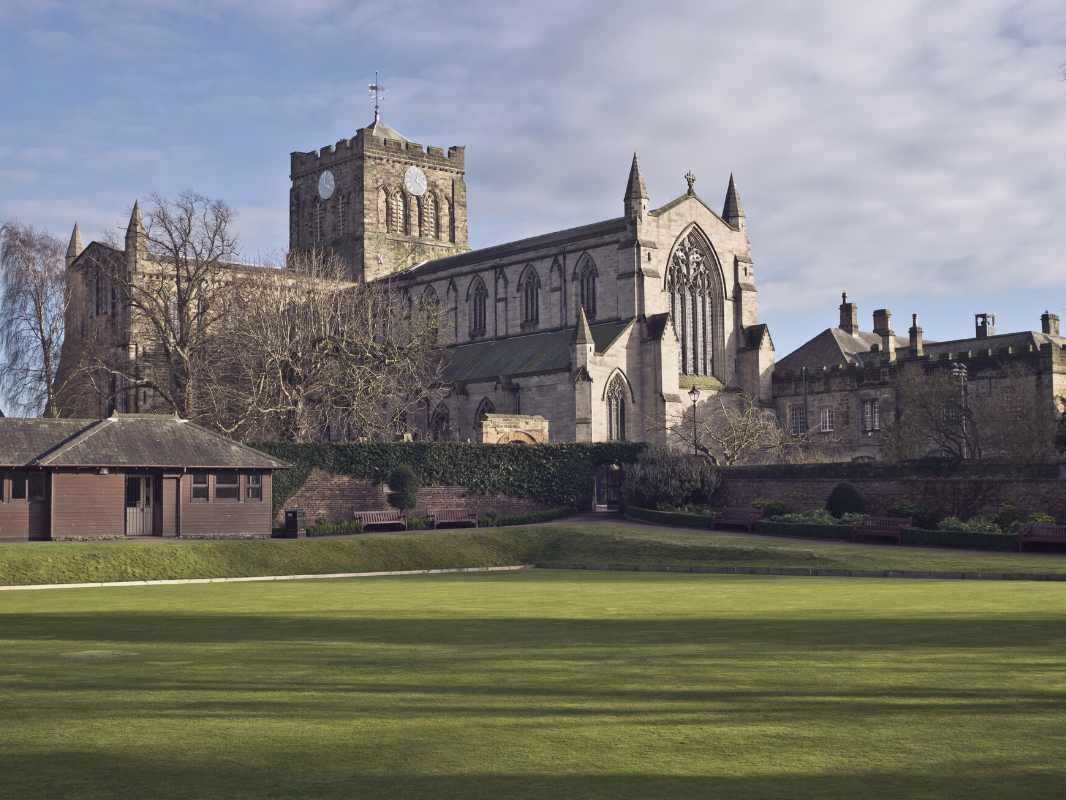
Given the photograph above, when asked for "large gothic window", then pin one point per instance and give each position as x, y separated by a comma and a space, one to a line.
478, 311
531, 296
616, 409
485, 407
588, 288
440, 423
692, 305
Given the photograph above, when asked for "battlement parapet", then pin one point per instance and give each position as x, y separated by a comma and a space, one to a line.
330, 155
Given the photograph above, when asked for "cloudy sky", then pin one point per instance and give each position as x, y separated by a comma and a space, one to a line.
908, 153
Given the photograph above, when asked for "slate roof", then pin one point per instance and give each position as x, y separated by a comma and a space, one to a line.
834, 346
124, 440
607, 227
523, 355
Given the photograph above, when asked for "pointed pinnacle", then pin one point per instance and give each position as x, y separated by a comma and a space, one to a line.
582, 331
635, 187
75, 247
732, 210
136, 220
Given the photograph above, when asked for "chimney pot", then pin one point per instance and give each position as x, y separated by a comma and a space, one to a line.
1049, 323
849, 315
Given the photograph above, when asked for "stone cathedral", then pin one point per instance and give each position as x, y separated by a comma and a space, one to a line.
600, 329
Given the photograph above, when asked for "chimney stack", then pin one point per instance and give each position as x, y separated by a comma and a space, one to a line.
849, 315
1049, 323
916, 336
883, 328
985, 324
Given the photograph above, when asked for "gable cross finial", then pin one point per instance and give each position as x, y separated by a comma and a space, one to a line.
691, 180
377, 91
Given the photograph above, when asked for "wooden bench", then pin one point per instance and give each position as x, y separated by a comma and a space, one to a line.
880, 526
451, 516
1042, 533
381, 518
737, 516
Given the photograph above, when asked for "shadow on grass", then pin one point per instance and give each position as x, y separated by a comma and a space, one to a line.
346, 771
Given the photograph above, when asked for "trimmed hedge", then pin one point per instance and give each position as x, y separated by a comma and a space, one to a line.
914, 537
347, 528
669, 517
524, 519
559, 474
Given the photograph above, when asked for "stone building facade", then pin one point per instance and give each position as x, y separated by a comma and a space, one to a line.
841, 383
380, 201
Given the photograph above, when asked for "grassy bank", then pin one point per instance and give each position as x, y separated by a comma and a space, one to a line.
536, 685
38, 563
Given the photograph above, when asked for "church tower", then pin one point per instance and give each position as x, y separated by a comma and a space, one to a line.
380, 201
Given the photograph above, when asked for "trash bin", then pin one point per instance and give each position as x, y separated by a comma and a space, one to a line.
295, 524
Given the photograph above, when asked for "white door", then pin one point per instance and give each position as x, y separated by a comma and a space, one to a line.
138, 505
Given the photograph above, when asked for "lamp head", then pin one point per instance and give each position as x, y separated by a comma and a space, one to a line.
694, 393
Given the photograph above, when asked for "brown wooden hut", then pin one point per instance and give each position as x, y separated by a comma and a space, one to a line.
129, 475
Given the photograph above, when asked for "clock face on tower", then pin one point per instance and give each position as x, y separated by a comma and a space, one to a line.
414, 180
326, 185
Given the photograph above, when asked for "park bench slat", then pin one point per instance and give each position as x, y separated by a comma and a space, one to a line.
880, 526
1037, 532
731, 515
380, 518
452, 516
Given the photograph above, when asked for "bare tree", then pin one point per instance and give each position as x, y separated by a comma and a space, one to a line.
175, 290
729, 428
1006, 415
313, 355
33, 312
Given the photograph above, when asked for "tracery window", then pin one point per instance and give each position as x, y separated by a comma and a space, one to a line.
531, 297
485, 407
439, 423
588, 288
478, 313
429, 216
691, 289
616, 410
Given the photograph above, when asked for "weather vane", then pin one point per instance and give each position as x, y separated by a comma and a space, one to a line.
377, 91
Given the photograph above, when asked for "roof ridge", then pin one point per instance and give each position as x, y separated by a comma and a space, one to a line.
96, 427
241, 445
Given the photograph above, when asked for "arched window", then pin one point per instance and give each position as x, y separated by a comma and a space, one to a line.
485, 407
616, 410
440, 423
531, 296
588, 288
342, 215
429, 216
693, 306
478, 312
395, 219
318, 222
430, 307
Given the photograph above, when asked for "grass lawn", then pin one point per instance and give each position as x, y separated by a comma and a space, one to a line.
536, 684
82, 562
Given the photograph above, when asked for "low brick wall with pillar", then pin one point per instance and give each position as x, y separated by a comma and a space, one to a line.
337, 496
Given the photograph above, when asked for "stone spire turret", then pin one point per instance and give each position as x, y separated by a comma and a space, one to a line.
733, 211
75, 247
136, 237
636, 199
582, 331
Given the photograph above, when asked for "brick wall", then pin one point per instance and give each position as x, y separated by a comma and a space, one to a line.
986, 486
337, 496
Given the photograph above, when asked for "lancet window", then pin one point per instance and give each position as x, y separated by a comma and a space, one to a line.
531, 296
439, 423
485, 407
616, 409
478, 315
588, 288
690, 286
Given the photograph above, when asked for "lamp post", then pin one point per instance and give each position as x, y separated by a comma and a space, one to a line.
694, 393
959, 371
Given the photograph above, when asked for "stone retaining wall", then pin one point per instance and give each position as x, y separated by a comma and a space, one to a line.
337, 496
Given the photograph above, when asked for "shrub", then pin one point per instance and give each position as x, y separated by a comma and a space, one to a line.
1039, 518
404, 485
975, 525
951, 524
845, 499
322, 519
922, 516
818, 516
499, 520
418, 524
770, 508
1007, 516
666, 476
328, 528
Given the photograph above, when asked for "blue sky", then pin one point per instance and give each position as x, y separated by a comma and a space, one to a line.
908, 153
